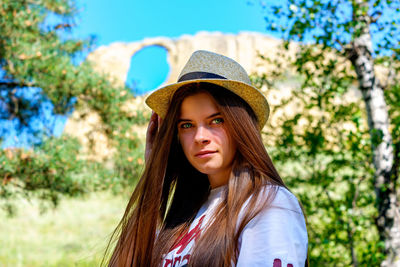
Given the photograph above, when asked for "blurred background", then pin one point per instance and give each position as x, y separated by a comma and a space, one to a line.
74, 76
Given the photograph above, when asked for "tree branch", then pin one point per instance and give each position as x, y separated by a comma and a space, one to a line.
63, 26
375, 16
13, 84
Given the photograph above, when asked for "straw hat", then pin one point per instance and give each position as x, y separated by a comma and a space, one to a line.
205, 66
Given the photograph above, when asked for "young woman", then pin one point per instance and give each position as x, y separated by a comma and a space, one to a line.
209, 194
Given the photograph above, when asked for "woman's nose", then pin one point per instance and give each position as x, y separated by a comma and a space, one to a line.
202, 135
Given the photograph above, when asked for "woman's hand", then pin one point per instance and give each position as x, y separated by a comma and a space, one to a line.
152, 130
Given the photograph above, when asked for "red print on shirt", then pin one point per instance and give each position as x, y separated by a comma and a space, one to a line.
185, 240
188, 237
278, 263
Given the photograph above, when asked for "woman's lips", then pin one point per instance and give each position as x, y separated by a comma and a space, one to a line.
205, 153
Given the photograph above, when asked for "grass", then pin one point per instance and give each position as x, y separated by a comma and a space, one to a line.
74, 234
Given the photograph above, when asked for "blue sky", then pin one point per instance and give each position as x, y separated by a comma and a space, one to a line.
134, 20
127, 21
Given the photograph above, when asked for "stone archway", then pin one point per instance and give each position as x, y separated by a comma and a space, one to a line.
115, 59
148, 70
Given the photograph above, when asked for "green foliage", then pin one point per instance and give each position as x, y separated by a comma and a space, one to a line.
34, 55
333, 23
322, 148
320, 137
39, 65
50, 170
57, 168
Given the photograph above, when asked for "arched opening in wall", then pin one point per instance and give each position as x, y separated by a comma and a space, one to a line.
148, 69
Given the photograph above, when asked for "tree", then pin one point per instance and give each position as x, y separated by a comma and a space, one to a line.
36, 63
366, 35
40, 70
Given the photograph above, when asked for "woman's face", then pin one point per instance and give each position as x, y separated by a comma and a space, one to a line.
204, 138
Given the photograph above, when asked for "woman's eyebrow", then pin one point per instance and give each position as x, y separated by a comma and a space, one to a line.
212, 115
181, 120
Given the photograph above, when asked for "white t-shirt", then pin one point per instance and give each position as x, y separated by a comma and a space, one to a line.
276, 237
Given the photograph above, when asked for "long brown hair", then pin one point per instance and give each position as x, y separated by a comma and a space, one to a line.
171, 191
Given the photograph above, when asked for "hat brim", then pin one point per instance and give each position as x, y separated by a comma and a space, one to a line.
159, 100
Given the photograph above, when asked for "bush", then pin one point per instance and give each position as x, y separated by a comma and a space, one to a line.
56, 167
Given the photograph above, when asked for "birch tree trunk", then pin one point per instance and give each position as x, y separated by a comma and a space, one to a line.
388, 220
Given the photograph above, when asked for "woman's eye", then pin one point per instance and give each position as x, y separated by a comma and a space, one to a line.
218, 120
186, 125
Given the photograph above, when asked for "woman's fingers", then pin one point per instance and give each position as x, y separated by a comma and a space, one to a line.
152, 130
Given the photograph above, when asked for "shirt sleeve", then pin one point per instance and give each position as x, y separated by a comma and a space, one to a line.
277, 237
